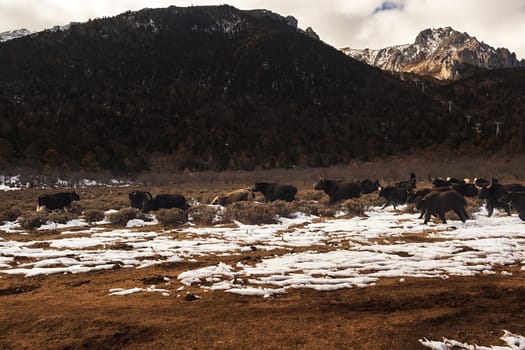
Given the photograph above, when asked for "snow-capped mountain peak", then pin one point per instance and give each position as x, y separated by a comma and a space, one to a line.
442, 53
13, 34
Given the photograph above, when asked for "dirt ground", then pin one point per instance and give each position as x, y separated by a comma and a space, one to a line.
75, 311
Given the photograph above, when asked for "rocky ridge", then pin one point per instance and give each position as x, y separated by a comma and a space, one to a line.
442, 53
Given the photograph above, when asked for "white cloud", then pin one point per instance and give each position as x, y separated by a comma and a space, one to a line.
338, 22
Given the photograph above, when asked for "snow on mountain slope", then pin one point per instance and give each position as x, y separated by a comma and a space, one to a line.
13, 34
442, 53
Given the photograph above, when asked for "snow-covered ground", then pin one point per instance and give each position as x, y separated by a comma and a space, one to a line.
11, 183
514, 342
302, 252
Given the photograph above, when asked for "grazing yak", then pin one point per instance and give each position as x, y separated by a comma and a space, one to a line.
273, 191
493, 192
439, 202
338, 190
515, 200
165, 201
137, 198
244, 194
56, 200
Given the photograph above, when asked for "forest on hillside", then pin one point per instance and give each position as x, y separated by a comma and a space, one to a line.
171, 88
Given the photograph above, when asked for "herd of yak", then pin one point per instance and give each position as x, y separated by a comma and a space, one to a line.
444, 195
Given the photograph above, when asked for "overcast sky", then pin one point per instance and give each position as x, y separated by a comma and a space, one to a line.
341, 23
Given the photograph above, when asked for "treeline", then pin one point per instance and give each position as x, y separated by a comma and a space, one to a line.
205, 88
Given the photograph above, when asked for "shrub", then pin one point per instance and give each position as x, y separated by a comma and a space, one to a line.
251, 213
75, 209
122, 216
61, 217
355, 207
312, 195
204, 214
310, 207
9, 215
93, 215
172, 217
283, 209
33, 221
327, 212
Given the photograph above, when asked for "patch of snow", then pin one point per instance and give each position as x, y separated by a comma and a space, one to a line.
14, 34
514, 342
340, 253
150, 289
50, 225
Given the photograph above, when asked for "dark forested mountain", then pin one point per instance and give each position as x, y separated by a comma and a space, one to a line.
204, 88
492, 105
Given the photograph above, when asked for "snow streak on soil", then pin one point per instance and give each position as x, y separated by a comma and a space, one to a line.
303, 252
514, 342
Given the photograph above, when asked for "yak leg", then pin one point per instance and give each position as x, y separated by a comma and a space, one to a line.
442, 217
508, 209
427, 216
422, 214
490, 209
522, 216
460, 214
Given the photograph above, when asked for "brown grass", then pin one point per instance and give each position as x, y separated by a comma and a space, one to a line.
122, 216
93, 215
61, 217
172, 217
205, 215
33, 221
10, 214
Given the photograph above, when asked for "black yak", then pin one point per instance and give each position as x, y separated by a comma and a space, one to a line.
439, 202
56, 200
394, 195
493, 192
273, 191
338, 190
137, 198
165, 201
515, 200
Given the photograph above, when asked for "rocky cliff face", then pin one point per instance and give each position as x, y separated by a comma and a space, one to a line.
442, 53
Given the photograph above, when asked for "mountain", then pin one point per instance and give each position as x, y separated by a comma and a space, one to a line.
442, 53
203, 88
13, 34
